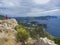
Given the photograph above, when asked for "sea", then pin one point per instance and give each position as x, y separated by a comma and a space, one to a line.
53, 26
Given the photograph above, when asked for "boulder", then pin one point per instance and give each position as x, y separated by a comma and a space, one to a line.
44, 41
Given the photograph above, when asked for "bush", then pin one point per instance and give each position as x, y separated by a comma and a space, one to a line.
22, 35
17, 27
57, 40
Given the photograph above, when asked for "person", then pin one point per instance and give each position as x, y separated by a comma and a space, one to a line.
6, 17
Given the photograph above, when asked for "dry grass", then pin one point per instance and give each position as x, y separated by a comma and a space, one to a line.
10, 40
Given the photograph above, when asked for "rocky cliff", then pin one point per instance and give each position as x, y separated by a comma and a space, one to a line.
44, 41
7, 32
41, 41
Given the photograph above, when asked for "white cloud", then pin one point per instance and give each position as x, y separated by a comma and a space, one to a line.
28, 8
39, 12
10, 3
50, 11
41, 1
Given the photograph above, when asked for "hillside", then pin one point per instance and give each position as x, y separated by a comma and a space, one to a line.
8, 34
2, 17
38, 35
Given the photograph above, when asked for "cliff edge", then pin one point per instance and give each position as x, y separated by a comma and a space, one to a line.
7, 32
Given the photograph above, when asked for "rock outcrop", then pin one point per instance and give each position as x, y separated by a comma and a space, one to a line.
7, 32
44, 41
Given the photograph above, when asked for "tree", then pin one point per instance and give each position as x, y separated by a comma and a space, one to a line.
22, 35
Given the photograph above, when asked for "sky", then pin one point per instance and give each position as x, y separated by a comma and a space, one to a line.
31, 8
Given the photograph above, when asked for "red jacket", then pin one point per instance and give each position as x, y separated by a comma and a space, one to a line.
6, 17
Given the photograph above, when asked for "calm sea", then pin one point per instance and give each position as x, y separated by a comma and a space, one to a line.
53, 26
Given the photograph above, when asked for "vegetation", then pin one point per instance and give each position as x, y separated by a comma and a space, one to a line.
22, 35
35, 32
2, 17
57, 40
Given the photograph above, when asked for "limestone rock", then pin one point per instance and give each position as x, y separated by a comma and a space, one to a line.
7, 32
44, 41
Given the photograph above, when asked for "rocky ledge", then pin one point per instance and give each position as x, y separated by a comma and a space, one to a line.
7, 32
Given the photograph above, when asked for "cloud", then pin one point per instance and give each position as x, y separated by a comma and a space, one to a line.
9, 3
41, 2
38, 12
28, 8
14, 7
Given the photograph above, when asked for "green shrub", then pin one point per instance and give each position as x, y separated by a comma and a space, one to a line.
22, 35
57, 40
17, 27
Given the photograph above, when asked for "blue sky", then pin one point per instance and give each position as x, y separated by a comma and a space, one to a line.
29, 7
